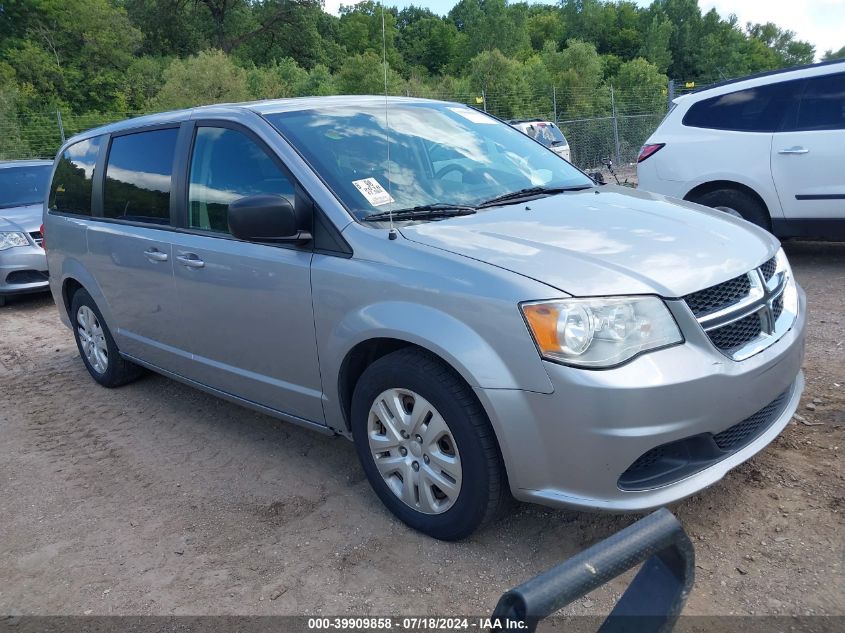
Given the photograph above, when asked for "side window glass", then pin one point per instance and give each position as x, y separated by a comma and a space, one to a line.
227, 165
822, 105
138, 173
70, 191
758, 109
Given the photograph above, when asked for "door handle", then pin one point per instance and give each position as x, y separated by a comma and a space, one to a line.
155, 255
797, 149
190, 261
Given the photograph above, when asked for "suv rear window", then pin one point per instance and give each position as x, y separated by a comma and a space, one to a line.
70, 191
759, 109
822, 105
138, 173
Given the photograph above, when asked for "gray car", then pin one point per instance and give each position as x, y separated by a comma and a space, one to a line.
475, 313
23, 265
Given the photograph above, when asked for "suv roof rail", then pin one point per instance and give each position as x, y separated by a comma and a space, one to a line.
767, 73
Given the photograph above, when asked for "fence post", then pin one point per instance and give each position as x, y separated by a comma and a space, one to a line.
671, 92
484, 98
615, 127
554, 102
61, 126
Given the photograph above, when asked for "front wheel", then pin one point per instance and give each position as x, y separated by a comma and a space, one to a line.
427, 446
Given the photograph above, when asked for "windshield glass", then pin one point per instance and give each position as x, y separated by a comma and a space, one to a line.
439, 153
20, 186
546, 133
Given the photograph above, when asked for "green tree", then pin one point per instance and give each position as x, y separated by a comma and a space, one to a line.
210, 77
364, 74
831, 55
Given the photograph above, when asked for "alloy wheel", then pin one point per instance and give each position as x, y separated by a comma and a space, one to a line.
92, 339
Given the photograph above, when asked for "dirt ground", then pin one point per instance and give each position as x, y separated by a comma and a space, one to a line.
158, 499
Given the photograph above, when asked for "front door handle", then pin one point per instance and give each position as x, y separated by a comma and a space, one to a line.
797, 149
190, 261
155, 255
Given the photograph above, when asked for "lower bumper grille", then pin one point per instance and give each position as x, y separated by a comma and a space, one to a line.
21, 277
671, 462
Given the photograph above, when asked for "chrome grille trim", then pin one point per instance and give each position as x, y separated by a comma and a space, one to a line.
730, 327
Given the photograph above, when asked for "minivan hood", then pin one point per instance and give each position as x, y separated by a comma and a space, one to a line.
606, 241
26, 218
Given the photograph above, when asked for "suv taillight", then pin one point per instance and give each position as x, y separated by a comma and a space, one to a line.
43, 239
648, 150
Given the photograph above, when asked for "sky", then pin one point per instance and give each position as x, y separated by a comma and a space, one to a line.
820, 22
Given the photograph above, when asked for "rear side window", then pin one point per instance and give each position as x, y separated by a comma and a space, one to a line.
822, 105
137, 186
758, 109
70, 191
227, 165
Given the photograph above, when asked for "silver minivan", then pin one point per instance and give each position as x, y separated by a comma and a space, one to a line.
475, 313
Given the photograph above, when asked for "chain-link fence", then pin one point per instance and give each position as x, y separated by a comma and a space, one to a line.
599, 123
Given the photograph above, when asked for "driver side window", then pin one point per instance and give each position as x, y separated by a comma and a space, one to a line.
227, 165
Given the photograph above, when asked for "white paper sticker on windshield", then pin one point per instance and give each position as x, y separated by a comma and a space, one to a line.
373, 191
473, 115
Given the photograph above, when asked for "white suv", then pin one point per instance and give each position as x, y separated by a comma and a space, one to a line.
770, 148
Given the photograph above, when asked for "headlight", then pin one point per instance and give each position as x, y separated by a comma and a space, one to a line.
602, 331
10, 240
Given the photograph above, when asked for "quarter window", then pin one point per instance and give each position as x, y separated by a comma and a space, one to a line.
138, 173
822, 105
70, 191
759, 109
227, 165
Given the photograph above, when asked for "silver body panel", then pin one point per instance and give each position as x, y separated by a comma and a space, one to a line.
22, 258
270, 327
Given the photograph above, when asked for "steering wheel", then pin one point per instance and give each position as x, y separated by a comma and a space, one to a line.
450, 168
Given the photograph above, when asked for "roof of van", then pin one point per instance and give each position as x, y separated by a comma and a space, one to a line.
268, 106
34, 162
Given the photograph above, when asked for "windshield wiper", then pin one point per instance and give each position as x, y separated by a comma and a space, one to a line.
528, 192
423, 212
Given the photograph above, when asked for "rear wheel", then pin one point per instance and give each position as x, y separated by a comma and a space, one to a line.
427, 446
737, 203
96, 344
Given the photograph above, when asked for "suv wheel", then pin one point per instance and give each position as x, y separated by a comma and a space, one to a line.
739, 204
427, 446
96, 345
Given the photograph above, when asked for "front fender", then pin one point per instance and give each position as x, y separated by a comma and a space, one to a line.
458, 344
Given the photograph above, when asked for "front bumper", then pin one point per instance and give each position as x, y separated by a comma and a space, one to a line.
23, 269
570, 448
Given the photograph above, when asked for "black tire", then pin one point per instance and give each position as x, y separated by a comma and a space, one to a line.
743, 203
484, 492
118, 370
2, 300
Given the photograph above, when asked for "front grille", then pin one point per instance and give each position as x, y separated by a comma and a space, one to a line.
737, 334
768, 269
737, 436
717, 297
671, 462
777, 307
37, 238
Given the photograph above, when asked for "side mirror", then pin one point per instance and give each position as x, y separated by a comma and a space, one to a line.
265, 218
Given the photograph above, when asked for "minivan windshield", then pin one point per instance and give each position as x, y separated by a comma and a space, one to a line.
22, 186
439, 154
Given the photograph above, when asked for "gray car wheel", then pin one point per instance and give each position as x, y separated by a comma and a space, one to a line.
427, 446
96, 346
